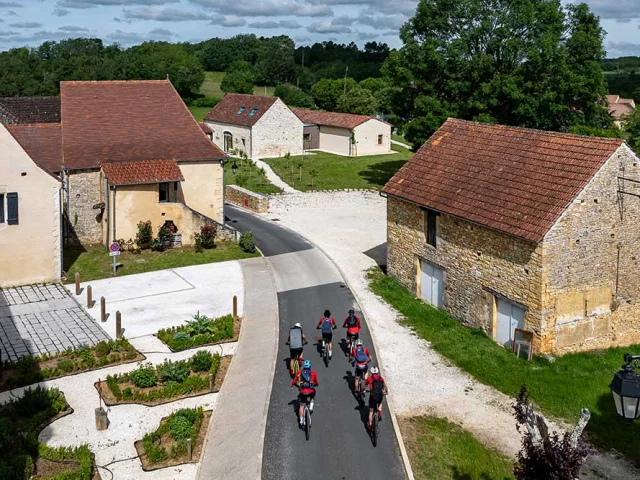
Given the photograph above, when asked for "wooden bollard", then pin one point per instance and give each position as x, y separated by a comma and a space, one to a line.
118, 325
235, 307
211, 381
77, 283
103, 309
189, 448
89, 297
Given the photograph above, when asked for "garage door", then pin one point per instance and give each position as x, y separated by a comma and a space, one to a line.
510, 317
431, 284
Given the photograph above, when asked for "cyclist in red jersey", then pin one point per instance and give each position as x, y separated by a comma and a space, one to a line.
377, 390
360, 358
307, 381
352, 324
328, 324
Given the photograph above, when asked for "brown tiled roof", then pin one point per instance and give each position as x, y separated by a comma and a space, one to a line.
205, 128
43, 143
332, 119
140, 172
620, 107
226, 111
128, 120
26, 110
515, 180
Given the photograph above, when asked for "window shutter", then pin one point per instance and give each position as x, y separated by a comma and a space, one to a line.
1, 207
12, 208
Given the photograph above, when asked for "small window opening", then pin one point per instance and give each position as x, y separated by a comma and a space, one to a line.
430, 217
380, 139
240, 110
253, 112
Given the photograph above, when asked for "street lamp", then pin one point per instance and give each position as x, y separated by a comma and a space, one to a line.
625, 388
234, 167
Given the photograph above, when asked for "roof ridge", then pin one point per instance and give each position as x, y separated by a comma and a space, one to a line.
114, 81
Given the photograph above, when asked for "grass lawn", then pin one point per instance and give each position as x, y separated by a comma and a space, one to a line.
439, 449
560, 388
212, 81
400, 138
94, 262
336, 172
248, 177
199, 112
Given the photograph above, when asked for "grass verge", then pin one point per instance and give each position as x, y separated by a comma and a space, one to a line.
441, 450
200, 331
212, 81
93, 262
249, 177
199, 112
560, 387
334, 172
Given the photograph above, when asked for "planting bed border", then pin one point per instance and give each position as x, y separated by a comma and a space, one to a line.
174, 462
237, 326
103, 388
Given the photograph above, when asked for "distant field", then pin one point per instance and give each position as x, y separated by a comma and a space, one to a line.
199, 112
211, 86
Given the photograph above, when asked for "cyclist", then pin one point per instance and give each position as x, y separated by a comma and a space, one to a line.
360, 358
296, 342
352, 324
377, 389
307, 381
328, 325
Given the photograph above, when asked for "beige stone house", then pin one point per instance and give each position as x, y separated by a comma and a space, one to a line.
118, 148
344, 133
262, 127
30, 231
620, 108
511, 228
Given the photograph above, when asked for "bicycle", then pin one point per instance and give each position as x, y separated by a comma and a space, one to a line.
325, 353
307, 419
295, 367
374, 429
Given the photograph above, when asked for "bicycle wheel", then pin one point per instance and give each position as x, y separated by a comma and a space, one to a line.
374, 429
307, 422
296, 365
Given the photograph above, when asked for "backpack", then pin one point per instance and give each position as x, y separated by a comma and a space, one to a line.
361, 357
295, 338
326, 325
352, 321
305, 378
377, 388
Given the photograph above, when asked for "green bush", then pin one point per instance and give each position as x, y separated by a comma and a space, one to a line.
201, 361
26, 364
144, 234
65, 365
102, 349
197, 332
247, 243
199, 325
181, 336
173, 371
39, 399
144, 376
180, 428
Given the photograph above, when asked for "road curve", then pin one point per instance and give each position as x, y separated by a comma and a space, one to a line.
307, 283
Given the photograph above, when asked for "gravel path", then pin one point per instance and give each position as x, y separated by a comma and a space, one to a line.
274, 178
351, 228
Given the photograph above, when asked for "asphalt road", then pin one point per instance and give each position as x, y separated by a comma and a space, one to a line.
340, 447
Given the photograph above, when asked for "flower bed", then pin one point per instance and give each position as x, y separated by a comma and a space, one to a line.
28, 370
154, 385
21, 420
167, 446
200, 331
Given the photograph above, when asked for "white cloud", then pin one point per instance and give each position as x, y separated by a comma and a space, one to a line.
84, 4
228, 21
72, 29
324, 27
26, 25
163, 15
10, 5
60, 12
284, 24
343, 20
266, 8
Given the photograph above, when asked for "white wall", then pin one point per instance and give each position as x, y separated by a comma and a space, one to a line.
278, 132
239, 133
366, 135
335, 140
31, 249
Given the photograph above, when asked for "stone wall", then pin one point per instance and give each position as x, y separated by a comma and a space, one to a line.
478, 263
242, 197
241, 136
85, 191
590, 264
278, 132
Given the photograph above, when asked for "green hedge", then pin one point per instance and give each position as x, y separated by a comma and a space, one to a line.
180, 425
197, 332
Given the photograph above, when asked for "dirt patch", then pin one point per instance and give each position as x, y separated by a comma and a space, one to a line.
109, 399
167, 442
46, 468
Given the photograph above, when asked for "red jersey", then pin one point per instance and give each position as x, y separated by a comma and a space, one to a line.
333, 322
354, 329
305, 390
353, 356
369, 381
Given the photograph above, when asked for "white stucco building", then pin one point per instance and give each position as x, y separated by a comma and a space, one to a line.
262, 127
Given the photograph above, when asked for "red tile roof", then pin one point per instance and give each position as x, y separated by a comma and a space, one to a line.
620, 107
22, 110
332, 119
43, 143
128, 120
515, 180
226, 111
205, 128
140, 172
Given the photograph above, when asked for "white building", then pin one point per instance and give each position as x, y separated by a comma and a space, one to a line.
262, 127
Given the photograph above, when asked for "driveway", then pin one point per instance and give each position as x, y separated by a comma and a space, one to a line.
43, 319
165, 298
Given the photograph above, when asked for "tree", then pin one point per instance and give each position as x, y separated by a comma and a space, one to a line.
327, 92
357, 100
632, 128
239, 78
276, 63
293, 96
528, 63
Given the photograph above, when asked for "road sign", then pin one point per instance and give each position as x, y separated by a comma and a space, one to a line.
114, 247
114, 254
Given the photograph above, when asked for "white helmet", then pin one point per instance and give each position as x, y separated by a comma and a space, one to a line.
358, 342
374, 370
298, 325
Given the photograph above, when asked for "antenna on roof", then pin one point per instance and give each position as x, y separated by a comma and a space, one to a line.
167, 76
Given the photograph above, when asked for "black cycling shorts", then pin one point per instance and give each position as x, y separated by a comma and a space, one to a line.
293, 352
360, 372
353, 336
302, 397
373, 403
327, 337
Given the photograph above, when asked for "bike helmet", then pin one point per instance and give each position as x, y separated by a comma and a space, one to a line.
374, 370
327, 313
358, 342
306, 364
297, 325
351, 312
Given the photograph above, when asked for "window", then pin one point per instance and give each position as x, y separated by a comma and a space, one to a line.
1, 207
430, 217
168, 192
380, 138
306, 137
12, 208
253, 112
228, 142
241, 111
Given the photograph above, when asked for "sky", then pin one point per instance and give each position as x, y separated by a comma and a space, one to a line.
128, 22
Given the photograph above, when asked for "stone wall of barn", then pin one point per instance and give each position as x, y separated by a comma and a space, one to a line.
85, 192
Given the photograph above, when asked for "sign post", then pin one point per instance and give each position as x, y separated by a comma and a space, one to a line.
114, 251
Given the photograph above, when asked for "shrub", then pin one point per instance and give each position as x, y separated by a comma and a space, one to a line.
201, 361
199, 325
181, 336
180, 428
102, 349
247, 243
65, 365
144, 376
39, 399
173, 371
26, 364
208, 234
205, 102
144, 234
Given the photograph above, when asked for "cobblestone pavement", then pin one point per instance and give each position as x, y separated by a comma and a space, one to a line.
38, 319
